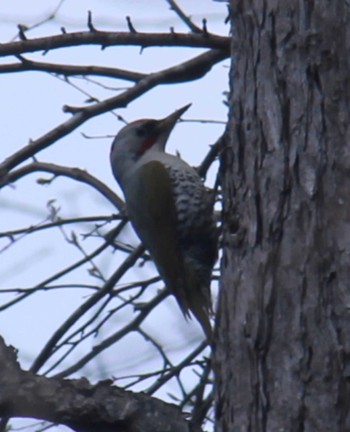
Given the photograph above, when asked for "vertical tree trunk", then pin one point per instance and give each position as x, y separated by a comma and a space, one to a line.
283, 352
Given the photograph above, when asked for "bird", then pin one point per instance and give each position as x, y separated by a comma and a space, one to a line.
171, 211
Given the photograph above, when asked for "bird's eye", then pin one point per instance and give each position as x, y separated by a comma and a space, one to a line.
146, 128
141, 131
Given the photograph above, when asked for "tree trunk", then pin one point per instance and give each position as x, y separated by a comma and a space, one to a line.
283, 351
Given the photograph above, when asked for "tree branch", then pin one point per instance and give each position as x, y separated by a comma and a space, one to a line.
73, 173
213, 153
109, 238
86, 306
80, 405
67, 70
116, 336
59, 222
192, 69
106, 39
186, 19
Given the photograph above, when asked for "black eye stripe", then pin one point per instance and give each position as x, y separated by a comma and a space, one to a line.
146, 128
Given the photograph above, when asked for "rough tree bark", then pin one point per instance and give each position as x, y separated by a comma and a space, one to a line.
283, 351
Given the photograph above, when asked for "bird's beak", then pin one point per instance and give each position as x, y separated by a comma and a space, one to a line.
169, 122
166, 125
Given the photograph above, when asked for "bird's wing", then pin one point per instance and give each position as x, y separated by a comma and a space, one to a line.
153, 214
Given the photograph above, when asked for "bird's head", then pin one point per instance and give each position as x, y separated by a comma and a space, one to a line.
136, 138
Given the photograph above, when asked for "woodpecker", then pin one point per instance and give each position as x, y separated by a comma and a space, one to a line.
170, 210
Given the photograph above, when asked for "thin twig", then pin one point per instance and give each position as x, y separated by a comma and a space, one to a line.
65, 271
77, 314
187, 360
211, 156
118, 335
185, 18
68, 70
73, 173
130, 25
43, 226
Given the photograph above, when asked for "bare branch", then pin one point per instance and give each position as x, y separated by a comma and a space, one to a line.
118, 335
185, 18
67, 70
107, 288
80, 405
48, 288
68, 269
48, 18
107, 39
42, 226
176, 370
86, 330
192, 69
211, 156
73, 173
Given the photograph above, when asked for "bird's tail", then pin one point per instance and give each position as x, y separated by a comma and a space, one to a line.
198, 299
202, 316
